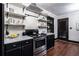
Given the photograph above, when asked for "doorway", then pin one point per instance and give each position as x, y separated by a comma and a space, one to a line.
63, 28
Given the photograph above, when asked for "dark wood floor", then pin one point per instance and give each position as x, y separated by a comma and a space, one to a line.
64, 48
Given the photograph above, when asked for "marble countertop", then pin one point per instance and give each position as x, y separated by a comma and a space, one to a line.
20, 38
50, 33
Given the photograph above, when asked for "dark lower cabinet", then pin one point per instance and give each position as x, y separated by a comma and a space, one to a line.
15, 52
27, 50
13, 49
23, 48
50, 41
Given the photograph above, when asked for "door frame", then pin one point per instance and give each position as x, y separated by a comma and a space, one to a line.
66, 25
2, 29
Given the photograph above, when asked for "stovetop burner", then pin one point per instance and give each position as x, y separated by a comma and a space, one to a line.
37, 36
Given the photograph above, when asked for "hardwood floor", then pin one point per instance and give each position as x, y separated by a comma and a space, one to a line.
64, 48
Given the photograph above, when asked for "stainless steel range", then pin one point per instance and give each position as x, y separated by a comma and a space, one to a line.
39, 44
39, 41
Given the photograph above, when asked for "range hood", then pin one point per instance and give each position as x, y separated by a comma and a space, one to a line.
34, 8
21, 4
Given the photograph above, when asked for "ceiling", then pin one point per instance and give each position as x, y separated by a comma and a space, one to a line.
59, 8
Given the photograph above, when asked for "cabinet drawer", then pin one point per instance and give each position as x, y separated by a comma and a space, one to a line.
15, 52
12, 45
26, 42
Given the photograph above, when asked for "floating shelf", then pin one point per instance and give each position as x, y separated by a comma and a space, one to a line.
14, 14
42, 26
42, 20
15, 24
49, 22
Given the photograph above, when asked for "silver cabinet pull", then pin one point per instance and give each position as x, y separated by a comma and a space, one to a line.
14, 45
26, 42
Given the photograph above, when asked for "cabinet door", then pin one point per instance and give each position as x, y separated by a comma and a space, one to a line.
13, 49
14, 52
50, 41
27, 50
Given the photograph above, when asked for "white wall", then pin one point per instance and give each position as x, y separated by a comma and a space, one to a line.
14, 29
31, 22
73, 19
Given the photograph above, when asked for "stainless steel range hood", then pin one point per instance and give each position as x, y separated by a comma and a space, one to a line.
34, 8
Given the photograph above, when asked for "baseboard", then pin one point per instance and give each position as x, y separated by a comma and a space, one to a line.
69, 40
56, 38
72, 41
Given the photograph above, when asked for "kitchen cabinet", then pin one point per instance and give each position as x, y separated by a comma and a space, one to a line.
16, 52
13, 49
50, 41
27, 48
22, 48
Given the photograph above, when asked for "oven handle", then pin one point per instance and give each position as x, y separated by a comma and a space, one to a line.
39, 39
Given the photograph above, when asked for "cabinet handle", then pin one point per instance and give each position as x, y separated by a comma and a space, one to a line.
14, 45
26, 42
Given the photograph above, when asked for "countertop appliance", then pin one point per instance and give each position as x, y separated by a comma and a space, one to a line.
30, 32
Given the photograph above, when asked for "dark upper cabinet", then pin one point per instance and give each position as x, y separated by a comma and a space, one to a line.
50, 41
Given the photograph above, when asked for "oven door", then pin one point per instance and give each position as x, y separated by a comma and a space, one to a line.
39, 42
39, 45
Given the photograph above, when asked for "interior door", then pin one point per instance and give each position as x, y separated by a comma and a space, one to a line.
63, 28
